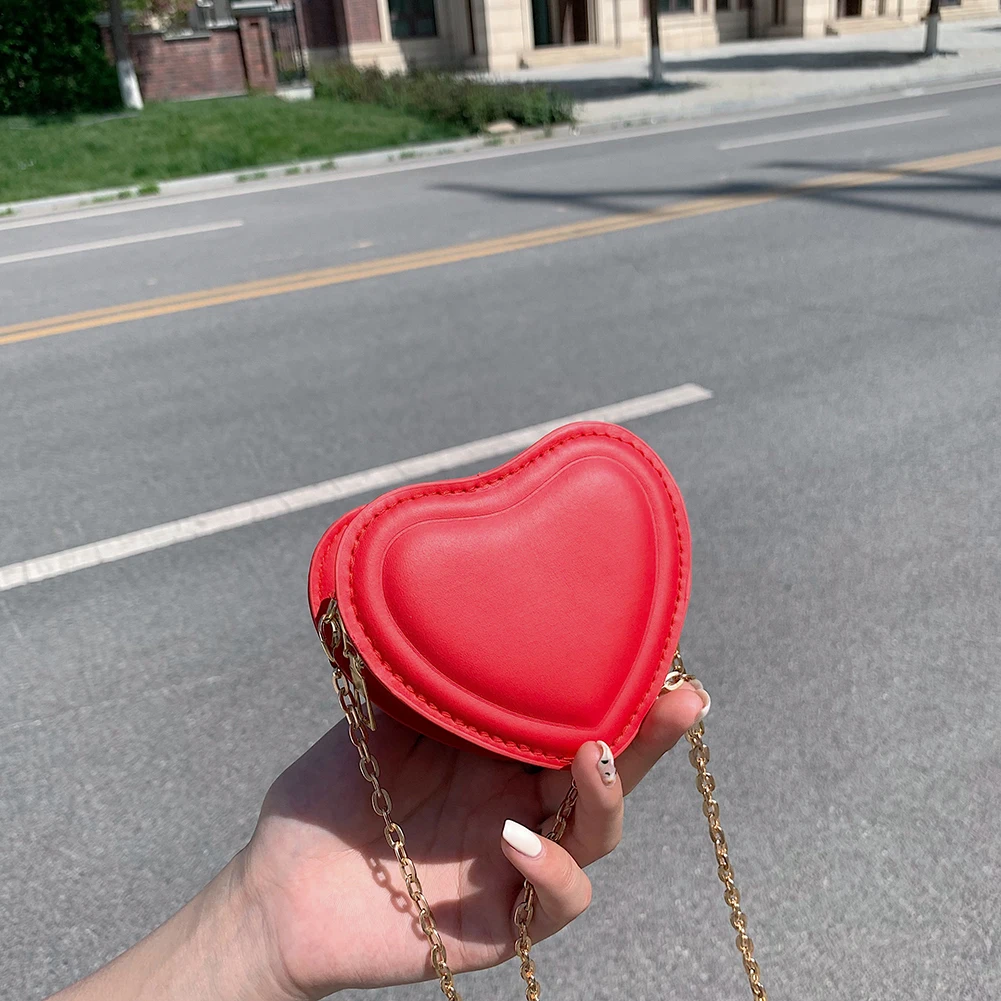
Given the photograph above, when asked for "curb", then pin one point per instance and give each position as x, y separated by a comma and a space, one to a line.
251, 175
251, 178
814, 101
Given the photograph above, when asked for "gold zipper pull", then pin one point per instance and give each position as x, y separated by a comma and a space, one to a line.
334, 638
361, 690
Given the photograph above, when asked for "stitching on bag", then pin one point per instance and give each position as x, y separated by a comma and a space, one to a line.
444, 714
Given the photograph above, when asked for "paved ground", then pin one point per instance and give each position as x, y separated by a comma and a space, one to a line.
843, 485
750, 74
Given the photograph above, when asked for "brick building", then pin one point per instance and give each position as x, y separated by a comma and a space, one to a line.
506, 34
227, 47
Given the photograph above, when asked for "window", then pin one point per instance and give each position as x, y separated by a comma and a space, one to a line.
412, 18
727, 5
676, 6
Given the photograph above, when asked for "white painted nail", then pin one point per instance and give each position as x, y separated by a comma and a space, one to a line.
606, 764
706, 703
521, 839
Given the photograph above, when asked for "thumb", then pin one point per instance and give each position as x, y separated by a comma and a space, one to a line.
562, 891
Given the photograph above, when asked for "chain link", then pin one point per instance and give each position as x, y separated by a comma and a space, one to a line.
333, 639
706, 784
349, 685
525, 910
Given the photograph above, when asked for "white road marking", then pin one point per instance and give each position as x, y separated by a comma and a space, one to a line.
120, 241
615, 134
832, 130
379, 478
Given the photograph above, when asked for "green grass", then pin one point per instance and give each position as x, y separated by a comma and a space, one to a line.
180, 140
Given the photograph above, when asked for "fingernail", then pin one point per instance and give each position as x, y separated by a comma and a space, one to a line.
706, 700
606, 764
521, 839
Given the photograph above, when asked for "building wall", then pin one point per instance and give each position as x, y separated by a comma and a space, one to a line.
686, 31
204, 64
413, 53
505, 33
808, 18
362, 21
624, 24
732, 24
478, 41
501, 33
816, 18
367, 36
608, 21
258, 57
323, 24
970, 9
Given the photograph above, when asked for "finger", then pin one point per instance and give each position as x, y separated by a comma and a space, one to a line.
596, 826
562, 890
672, 714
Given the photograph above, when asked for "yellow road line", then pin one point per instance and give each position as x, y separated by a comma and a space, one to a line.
380, 267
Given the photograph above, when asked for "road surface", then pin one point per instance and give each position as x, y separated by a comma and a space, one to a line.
173, 359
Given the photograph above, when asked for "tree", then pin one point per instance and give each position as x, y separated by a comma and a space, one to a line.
128, 82
51, 59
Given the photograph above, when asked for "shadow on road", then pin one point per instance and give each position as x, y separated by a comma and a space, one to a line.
926, 185
598, 88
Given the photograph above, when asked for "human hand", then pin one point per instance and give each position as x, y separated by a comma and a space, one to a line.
334, 912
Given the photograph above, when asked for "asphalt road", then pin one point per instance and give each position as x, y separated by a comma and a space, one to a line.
843, 487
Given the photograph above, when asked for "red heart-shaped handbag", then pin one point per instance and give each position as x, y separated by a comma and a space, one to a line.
524, 610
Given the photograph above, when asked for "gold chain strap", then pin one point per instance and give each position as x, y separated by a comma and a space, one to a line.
354, 702
706, 784
525, 910
353, 698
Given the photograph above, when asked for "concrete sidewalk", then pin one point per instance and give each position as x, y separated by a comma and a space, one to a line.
762, 73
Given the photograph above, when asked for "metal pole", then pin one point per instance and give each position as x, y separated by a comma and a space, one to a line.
932, 19
656, 70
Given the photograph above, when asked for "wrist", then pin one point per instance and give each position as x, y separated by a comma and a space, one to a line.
233, 940
218, 947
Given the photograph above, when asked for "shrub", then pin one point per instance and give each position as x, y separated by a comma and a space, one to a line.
52, 59
467, 102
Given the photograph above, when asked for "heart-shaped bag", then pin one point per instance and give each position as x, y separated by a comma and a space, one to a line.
522, 611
